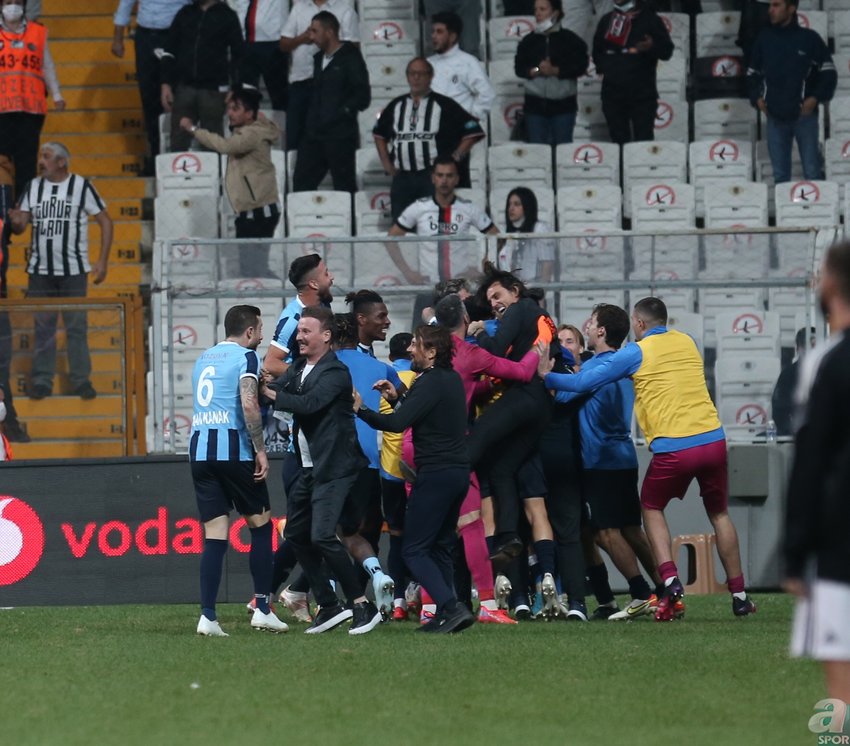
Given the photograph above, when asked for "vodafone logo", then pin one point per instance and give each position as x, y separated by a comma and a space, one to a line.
21, 540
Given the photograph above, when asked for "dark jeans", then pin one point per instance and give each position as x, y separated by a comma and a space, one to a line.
296, 112
313, 511
430, 529
254, 259
202, 106
149, 81
317, 156
564, 504
630, 121
407, 187
267, 59
503, 437
76, 331
19, 137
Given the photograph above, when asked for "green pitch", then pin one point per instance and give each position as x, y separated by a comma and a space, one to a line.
139, 675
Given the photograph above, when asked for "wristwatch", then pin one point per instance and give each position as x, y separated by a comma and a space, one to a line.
535, 70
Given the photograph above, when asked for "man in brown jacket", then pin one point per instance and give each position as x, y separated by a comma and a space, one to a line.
251, 182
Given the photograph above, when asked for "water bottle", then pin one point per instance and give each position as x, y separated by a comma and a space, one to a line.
770, 432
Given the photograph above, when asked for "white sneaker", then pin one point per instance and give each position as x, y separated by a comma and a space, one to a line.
268, 622
502, 591
550, 596
384, 588
210, 628
637, 607
297, 604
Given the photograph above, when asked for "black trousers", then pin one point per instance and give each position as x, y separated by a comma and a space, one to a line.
313, 511
564, 504
266, 59
254, 260
19, 138
502, 438
149, 81
317, 156
5, 324
628, 120
430, 529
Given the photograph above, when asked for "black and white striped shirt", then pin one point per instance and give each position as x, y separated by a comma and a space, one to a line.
60, 229
420, 131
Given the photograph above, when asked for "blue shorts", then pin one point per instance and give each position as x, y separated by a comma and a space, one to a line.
222, 486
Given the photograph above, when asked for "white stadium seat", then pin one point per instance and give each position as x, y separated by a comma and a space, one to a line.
751, 332
505, 34
724, 119
503, 117
716, 33
590, 121
711, 163
372, 213
671, 120
188, 171
520, 164
653, 162
583, 162
597, 206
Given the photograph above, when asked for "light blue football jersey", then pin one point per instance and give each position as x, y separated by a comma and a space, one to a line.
218, 423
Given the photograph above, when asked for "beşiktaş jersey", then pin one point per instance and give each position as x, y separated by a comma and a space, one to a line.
287, 328
218, 423
438, 259
60, 234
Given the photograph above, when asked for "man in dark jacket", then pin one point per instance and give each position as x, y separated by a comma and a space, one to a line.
790, 73
199, 65
317, 390
340, 90
629, 42
817, 525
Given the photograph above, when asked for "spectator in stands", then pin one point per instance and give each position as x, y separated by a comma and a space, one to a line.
442, 214
529, 259
295, 39
416, 128
153, 19
629, 42
782, 401
754, 18
550, 60
13, 429
28, 73
817, 521
58, 204
199, 63
251, 181
262, 22
469, 13
340, 90
791, 72
457, 74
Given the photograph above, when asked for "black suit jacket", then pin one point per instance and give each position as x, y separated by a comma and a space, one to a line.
339, 91
322, 407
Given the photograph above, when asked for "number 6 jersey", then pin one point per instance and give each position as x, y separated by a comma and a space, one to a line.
218, 423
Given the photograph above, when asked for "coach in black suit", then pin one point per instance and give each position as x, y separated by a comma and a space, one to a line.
340, 90
317, 390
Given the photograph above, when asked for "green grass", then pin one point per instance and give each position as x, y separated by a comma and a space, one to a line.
138, 675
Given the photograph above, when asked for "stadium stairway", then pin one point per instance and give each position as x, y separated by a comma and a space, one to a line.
102, 128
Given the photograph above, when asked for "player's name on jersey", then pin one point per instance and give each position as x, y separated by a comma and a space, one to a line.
216, 417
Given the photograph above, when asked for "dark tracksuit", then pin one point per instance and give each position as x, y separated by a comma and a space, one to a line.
435, 407
331, 134
629, 90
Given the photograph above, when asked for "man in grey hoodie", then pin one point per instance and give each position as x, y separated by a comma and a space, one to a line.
250, 181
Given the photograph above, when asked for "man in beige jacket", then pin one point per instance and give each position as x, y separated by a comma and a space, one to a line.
250, 181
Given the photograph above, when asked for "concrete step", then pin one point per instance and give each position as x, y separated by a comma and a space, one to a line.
74, 122
100, 339
117, 72
78, 428
105, 98
50, 8
108, 165
128, 187
69, 406
101, 144
65, 449
118, 274
92, 27
80, 52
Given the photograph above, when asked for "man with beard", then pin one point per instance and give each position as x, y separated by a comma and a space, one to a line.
313, 281
229, 463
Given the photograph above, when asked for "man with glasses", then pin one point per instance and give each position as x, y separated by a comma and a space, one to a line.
416, 128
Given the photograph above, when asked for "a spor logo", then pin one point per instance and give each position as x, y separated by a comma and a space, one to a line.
21, 540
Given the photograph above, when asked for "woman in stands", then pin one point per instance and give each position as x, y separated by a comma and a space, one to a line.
550, 60
28, 73
530, 259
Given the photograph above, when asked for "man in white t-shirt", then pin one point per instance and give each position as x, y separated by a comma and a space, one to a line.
458, 74
295, 39
442, 214
59, 204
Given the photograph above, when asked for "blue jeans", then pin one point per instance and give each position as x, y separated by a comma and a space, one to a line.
780, 140
554, 130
